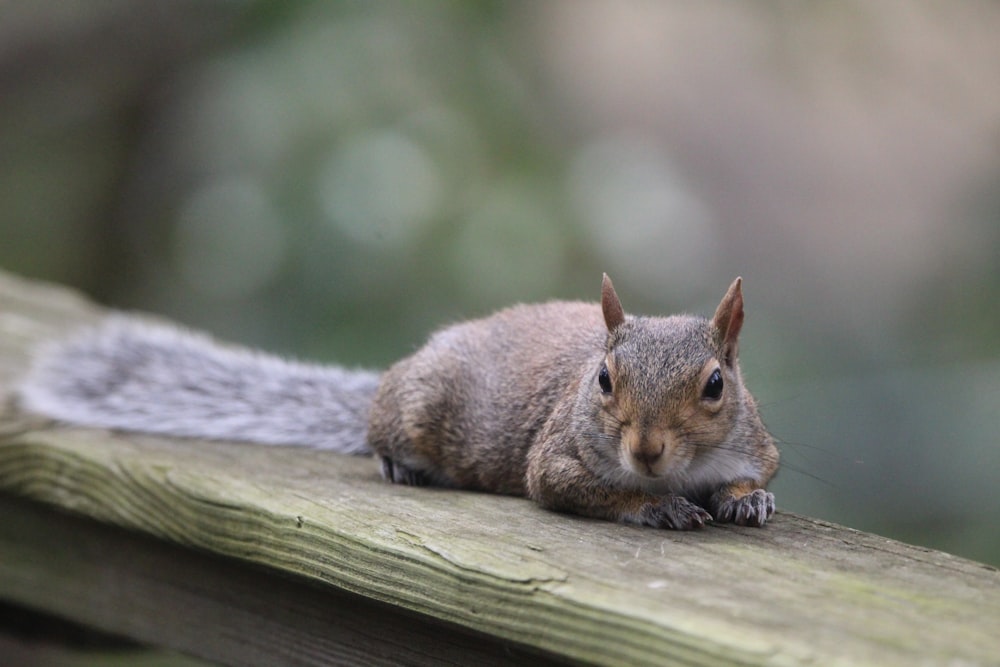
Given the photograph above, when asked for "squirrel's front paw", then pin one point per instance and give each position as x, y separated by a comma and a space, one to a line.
753, 509
675, 512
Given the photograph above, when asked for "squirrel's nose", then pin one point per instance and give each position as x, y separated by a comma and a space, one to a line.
649, 453
646, 449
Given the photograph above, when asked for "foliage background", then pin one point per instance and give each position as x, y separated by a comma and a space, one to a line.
334, 180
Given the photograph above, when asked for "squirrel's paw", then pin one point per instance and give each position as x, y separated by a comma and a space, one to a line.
675, 512
753, 509
400, 474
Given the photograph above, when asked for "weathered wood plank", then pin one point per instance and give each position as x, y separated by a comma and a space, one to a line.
30, 639
208, 606
798, 591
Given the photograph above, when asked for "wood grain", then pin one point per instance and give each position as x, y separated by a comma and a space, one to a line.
799, 591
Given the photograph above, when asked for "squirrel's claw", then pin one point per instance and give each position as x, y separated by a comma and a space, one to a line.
753, 509
400, 474
677, 513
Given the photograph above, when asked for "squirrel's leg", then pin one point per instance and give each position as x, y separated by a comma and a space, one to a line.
742, 502
400, 474
561, 482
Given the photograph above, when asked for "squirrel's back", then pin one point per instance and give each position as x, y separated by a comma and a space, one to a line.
127, 373
472, 399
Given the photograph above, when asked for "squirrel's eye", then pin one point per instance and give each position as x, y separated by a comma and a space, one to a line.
604, 379
713, 388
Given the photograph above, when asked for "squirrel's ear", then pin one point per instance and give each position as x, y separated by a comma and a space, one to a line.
614, 316
728, 319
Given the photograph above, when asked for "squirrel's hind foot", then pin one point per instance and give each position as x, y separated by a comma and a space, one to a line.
397, 473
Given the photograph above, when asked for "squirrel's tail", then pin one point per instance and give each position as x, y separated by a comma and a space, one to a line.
134, 375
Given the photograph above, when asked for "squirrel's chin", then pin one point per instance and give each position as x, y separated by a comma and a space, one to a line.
657, 478
665, 468
658, 485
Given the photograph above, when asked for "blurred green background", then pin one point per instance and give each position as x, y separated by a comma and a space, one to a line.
334, 180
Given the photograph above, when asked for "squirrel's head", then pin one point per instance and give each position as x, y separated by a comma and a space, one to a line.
669, 387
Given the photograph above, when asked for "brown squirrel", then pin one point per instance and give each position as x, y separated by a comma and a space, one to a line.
642, 420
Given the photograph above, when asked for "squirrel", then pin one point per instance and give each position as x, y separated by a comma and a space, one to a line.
580, 407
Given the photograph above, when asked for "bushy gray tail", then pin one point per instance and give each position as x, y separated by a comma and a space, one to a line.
134, 375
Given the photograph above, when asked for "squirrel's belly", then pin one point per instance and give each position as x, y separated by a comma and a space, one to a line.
494, 469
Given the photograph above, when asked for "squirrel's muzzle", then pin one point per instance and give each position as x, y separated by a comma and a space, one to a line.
648, 452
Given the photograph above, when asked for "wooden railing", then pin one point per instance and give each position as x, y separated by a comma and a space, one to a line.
243, 555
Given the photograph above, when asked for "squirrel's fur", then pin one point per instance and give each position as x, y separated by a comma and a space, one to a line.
131, 374
578, 406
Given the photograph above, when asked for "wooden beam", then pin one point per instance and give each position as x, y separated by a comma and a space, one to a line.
798, 591
215, 608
